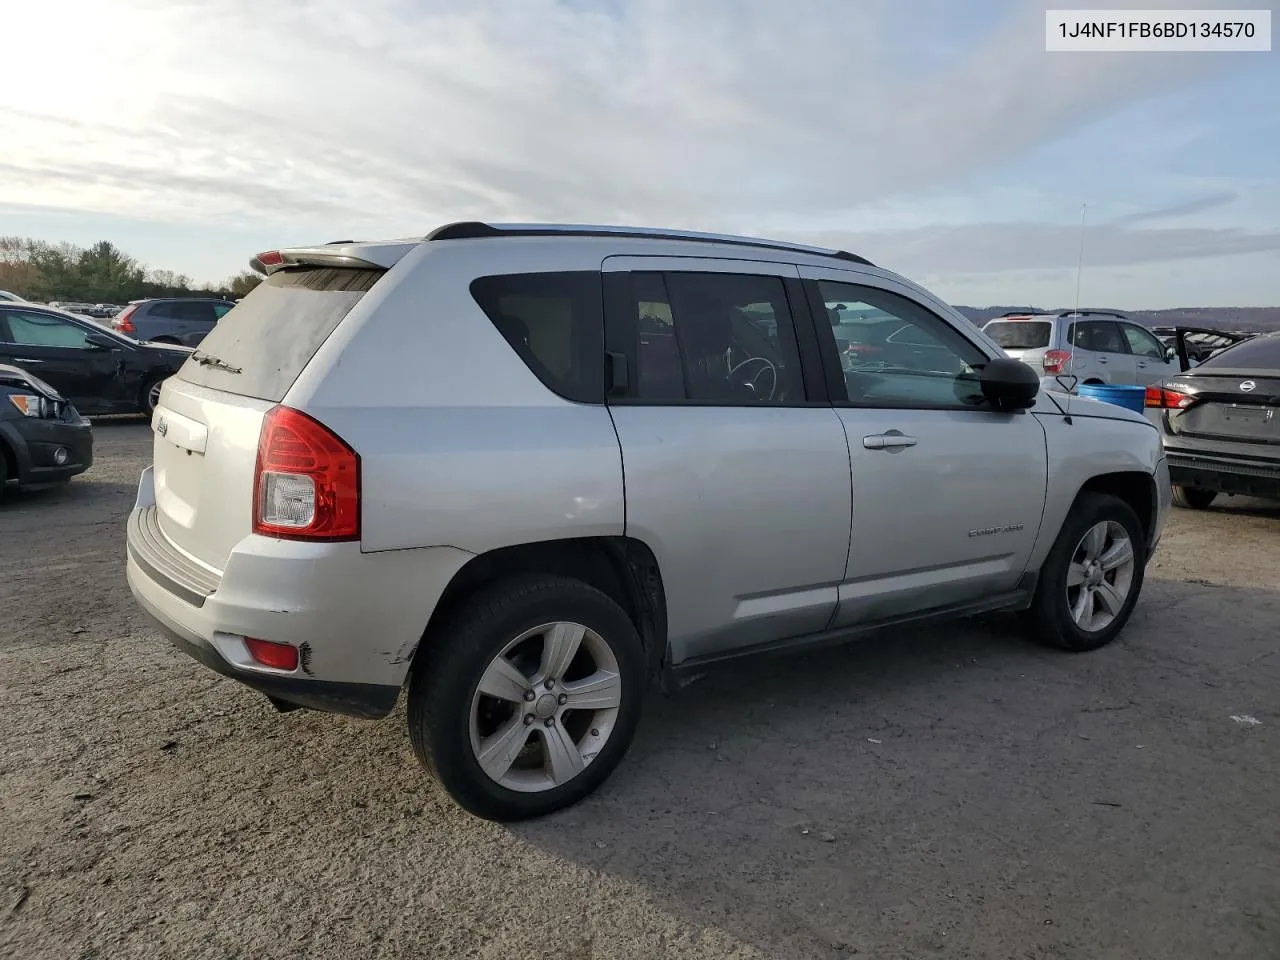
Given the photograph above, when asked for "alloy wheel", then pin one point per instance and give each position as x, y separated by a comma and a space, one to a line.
545, 706
1100, 576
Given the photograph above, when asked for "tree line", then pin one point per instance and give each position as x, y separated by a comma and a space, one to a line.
102, 273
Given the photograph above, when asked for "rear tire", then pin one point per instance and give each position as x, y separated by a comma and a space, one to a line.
557, 754
1087, 590
151, 394
1193, 498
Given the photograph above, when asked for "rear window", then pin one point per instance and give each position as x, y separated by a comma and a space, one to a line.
273, 333
1260, 353
1019, 334
555, 322
197, 310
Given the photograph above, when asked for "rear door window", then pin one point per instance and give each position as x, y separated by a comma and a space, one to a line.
259, 348
1019, 334
1099, 336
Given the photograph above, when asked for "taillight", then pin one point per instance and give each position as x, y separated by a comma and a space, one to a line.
1162, 398
1055, 360
270, 258
306, 480
122, 321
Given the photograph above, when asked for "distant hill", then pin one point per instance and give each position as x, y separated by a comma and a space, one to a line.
1252, 319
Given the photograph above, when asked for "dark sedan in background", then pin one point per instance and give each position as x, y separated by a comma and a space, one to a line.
1221, 424
98, 370
43, 438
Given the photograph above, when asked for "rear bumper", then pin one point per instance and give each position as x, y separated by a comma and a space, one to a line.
1225, 474
355, 618
35, 443
368, 701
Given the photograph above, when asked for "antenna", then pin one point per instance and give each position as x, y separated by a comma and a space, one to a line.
1084, 209
1071, 328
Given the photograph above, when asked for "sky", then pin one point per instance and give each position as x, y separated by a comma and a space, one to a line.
939, 139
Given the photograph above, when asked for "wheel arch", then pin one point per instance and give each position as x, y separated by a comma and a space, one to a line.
1135, 488
14, 462
623, 568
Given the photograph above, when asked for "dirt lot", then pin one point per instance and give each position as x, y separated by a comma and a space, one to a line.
951, 793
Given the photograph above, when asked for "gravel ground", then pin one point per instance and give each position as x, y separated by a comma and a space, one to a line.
945, 793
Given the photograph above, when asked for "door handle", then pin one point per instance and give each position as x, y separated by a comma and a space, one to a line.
26, 360
892, 440
1142, 363
1102, 360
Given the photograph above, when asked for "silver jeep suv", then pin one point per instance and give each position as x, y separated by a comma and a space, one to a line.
525, 471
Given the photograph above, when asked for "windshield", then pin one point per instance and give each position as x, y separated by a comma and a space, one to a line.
261, 345
1019, 334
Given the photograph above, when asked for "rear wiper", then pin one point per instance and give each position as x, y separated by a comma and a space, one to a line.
205, 360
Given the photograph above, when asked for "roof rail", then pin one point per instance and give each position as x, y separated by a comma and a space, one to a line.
474, 229
1087, 313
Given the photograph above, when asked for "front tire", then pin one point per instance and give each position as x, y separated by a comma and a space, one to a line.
528, 697
1091, 580
1193, 498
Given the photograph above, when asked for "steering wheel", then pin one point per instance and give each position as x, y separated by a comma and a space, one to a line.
766, 366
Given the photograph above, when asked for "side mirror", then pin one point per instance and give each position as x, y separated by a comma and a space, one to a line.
1009, 384
99, 341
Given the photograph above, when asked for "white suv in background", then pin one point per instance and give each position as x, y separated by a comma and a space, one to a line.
1096, 346
524, 471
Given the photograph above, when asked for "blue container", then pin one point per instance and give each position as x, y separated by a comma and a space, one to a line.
1134, 398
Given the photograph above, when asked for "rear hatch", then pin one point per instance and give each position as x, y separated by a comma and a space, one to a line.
1021, 339
210, 414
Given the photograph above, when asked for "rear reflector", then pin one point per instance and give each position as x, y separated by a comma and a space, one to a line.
278, 656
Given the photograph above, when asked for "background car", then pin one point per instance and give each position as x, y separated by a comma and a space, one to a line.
1221, 424
1093, 345
98, 370
184, 320
43, 438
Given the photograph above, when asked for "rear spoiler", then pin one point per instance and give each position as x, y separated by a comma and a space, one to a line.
353, 256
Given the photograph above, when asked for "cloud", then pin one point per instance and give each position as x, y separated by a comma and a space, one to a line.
392, 116
1000, 248
1184, 209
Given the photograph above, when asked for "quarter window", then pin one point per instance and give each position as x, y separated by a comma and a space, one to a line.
895, 352
555, 322
715, 338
